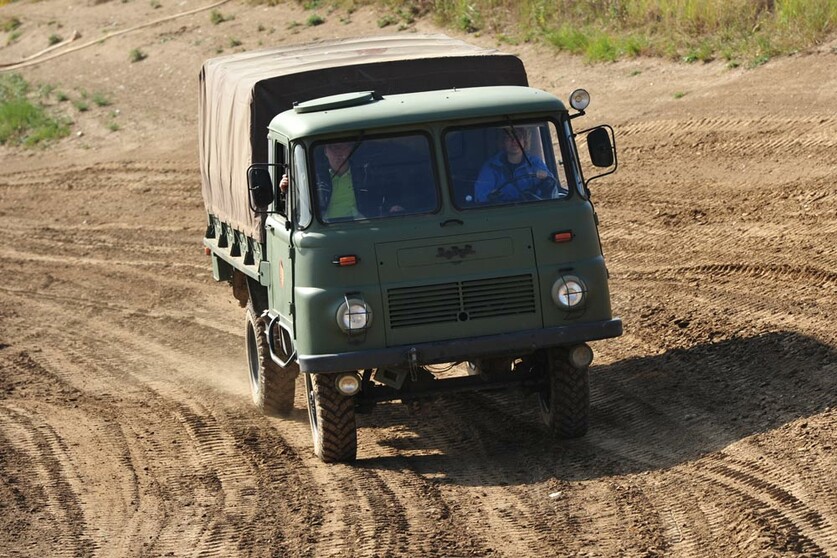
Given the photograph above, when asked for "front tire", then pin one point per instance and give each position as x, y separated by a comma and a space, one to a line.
332, 418
271, 386
565, 402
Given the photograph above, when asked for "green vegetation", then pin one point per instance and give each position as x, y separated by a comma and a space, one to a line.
314, 19
22, 121
217, 17
137, 55
234, 42
752, 31
387, 20
100, 100
9, 24
54, 39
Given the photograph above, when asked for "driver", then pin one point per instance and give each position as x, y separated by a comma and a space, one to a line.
513, 174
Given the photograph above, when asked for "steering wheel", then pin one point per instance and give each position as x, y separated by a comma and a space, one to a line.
543, 187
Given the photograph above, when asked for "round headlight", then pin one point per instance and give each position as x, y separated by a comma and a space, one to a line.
354, 315
579, 99
569, 292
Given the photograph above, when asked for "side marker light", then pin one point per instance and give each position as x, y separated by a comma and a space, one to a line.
563, 236
344, 261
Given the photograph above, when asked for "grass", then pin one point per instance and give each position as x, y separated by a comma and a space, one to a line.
24, 121
752, 31
136, 55
217, 18
10, 24
387, 20
314, 20
100, 100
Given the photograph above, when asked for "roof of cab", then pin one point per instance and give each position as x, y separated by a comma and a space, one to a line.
365, 111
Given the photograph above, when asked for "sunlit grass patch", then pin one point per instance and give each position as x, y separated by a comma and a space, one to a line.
23, 121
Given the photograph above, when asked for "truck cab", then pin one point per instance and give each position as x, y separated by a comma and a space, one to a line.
402, 231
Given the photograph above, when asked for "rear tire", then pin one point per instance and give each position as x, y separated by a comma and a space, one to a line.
332, 417
271, 386
565, 402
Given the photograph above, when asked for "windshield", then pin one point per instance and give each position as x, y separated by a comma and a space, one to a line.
505, 163
368, 178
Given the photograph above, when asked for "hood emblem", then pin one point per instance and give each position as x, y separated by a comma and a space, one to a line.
455, 252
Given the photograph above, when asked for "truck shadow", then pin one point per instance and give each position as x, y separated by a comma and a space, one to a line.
647, 413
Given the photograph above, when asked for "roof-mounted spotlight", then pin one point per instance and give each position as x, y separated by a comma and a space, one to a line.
580, 99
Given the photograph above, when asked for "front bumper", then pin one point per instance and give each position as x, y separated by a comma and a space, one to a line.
514, 343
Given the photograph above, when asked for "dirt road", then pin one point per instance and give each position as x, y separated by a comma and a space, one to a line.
125, 422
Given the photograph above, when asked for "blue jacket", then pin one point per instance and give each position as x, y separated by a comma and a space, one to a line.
512, 180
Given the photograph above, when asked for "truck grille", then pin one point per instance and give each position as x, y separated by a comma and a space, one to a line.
461, 301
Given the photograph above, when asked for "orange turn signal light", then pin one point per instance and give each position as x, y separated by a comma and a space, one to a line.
563, 236
207, 251
344, 261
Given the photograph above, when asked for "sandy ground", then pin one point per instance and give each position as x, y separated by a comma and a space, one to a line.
126, 427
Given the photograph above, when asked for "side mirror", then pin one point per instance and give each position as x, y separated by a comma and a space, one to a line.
600, 147
260, 186
601, 143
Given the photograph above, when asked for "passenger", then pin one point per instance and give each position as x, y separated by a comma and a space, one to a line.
345, 188
513, 174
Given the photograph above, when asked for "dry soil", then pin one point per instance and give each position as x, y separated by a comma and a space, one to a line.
126, 427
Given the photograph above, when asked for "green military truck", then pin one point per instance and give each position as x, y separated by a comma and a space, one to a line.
382, 206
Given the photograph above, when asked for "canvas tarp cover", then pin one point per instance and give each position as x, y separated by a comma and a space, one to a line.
241, 93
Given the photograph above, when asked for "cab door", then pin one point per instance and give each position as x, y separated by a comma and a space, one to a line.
278, 229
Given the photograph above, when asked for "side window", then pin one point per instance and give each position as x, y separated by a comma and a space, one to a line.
279, 161
301, 194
